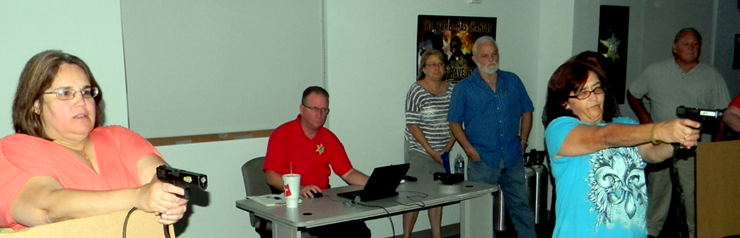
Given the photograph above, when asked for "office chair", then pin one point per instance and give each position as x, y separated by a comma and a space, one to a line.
256, 184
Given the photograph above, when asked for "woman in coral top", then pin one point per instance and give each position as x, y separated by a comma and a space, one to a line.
61, 164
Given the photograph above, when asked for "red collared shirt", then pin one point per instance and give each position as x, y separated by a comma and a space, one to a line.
289, 146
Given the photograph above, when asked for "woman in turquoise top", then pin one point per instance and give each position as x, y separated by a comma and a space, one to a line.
597, 159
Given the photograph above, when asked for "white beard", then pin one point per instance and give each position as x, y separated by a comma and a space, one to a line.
488, 70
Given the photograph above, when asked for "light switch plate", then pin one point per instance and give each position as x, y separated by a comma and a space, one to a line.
475, 1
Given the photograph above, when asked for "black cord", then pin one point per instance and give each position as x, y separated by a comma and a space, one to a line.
393, 228
128, 215
125, 222
416, 203
412, 198
166, 231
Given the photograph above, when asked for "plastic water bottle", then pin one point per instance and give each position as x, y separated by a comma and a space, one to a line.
459, 164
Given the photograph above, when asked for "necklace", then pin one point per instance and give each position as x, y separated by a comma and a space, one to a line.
82, 152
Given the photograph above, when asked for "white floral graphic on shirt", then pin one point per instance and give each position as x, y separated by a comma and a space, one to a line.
617, 181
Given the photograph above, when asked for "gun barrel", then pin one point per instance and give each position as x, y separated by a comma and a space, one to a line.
708, 113
182, 178
698, 114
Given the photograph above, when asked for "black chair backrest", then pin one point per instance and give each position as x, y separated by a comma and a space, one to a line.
254, 179
255, 182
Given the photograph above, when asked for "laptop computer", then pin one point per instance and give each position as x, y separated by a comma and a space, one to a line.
381, 184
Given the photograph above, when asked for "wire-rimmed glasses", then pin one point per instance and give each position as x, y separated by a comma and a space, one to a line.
68, 93
316, 109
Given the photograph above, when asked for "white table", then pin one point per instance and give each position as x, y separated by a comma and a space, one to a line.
476, 208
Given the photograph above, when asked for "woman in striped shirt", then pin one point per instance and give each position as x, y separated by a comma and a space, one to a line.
428, 135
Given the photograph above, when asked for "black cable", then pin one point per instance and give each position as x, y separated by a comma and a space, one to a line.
683, 231
125, 225
125, 222
393, 228
166, 231
416, 203
413, 198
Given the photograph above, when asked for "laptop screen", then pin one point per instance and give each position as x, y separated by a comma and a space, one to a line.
382, 182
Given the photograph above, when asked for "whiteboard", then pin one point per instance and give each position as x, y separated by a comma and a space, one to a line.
207, 67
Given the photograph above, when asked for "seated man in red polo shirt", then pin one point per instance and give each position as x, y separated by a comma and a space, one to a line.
309, 148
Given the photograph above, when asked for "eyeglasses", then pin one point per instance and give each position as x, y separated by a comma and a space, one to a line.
440, 64
316, 109
585, 94
68, 93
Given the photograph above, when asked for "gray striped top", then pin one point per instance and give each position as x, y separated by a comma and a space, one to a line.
429, 112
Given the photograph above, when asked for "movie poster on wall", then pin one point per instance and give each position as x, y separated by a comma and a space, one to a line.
454, 36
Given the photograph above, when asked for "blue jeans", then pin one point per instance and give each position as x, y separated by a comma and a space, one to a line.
511, 180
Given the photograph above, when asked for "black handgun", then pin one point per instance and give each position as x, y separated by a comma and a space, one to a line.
709, 120
182, 178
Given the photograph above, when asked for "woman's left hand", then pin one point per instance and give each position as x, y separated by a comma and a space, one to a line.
175, 213
161, 198
683, 131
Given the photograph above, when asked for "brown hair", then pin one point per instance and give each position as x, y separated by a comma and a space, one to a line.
424, 57
314, 89
36, 78
570, 77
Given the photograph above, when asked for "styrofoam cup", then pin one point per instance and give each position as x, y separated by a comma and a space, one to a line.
292, 186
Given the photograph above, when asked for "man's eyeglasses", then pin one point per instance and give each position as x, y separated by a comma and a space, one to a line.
316, 109
585, 94
68, 93
440, 64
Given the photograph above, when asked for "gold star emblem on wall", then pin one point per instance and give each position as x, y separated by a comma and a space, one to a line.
320, 148
611, 44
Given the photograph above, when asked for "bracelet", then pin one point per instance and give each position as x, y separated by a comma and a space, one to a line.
523, 140
652, 135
